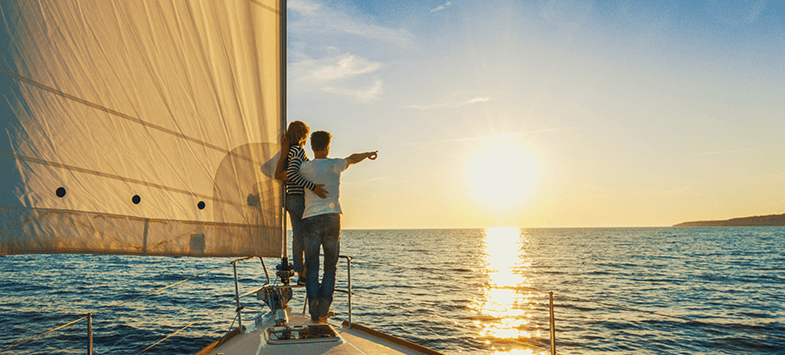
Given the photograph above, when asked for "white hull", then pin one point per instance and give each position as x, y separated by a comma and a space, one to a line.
257, 339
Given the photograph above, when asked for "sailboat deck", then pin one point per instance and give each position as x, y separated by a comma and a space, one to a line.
347, 341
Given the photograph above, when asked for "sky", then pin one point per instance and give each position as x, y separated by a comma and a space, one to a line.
545, 113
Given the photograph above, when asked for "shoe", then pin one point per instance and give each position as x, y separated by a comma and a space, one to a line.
301, 281
324, 319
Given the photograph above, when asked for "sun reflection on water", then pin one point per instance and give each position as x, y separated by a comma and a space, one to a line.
504, 310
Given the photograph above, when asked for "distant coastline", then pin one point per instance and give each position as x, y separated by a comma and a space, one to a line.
754, 221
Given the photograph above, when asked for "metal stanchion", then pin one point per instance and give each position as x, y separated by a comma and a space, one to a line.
89, 334
553, 327
237, 293
349, 272
265, 271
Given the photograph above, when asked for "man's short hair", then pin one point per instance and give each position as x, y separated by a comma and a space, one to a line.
320, 140
297, 131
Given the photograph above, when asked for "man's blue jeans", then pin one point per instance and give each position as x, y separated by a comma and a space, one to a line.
295, 205
321, 231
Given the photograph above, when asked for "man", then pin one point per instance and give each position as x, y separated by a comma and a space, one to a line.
322, 222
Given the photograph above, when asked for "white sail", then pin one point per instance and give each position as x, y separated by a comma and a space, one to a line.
139, 127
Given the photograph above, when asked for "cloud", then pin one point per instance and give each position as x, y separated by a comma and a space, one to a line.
442, 7
494, 137
476, 99
344, 66
318, 18
304, 7
369, 94
334, 74
450, 104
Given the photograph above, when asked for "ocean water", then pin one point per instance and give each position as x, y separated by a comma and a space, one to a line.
621, 290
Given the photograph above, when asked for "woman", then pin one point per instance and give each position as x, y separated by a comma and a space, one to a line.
288, 170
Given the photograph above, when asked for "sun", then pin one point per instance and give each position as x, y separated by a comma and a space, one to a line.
501, 176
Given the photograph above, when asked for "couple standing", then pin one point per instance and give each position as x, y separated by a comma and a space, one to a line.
312, 200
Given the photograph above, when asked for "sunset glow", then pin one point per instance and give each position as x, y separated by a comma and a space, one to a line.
501, 176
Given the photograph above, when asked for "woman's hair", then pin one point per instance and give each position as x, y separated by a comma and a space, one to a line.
297, 132
320, 140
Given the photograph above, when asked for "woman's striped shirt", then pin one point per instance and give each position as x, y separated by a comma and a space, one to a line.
296, 182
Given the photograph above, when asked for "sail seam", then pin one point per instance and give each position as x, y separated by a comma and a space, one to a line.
115, 177
106, 175
153, 220
24, 222
266, 7
120, 114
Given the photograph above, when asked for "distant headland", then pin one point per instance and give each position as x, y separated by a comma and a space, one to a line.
754, 221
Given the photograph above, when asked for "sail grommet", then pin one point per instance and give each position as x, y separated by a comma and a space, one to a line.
136, 199
60, 192
200, 205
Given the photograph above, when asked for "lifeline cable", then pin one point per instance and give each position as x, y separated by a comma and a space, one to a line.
221, 341
42, 334
237, 315
183, 328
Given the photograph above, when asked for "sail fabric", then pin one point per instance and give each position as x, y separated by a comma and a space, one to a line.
139, 127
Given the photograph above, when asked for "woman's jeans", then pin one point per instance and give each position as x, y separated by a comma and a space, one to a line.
321, 231
295, 205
